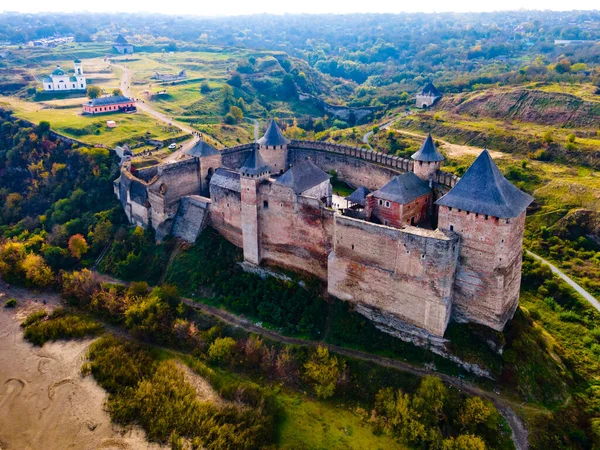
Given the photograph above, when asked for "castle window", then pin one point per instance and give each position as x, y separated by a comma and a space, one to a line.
451, 227
449, 209
352, 246
412, 220
266, 204
281, 205
486, 217
228, 205
467, 213
507, 220
385, 222
387, 204
380, 202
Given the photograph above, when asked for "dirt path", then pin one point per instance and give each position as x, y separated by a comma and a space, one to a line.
504, 406
147, 108
585, 294
44, 401
455, 150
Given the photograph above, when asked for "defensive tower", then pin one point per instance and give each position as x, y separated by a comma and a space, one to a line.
428, 160
488, 213
274, 148
252, 174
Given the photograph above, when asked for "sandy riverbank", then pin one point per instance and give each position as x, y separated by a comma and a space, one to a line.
44, 402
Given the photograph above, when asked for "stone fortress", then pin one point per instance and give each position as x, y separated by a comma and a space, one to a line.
412, 248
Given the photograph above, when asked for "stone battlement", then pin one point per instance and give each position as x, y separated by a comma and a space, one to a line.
273, 199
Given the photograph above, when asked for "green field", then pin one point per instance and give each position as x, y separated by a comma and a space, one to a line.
312, 424
131, 128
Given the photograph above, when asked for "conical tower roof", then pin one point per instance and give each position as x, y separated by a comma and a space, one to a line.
121, 40
273, 136
202, 148
484, 190
428, 152
254, 165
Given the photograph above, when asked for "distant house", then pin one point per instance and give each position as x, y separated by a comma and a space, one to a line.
59, 80
428, 96
169, 77
114, 103
122, 46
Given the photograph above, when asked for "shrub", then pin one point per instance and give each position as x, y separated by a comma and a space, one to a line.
323, 371
40, 328
570, 316
10, 303
221, 349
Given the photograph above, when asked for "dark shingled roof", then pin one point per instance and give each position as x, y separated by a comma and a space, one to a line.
484, 190
121, 40
110, 100
226, 179
254, 165
301, 177
359, 195
403, 189
430, 89
428, 152
202, 148
273, 136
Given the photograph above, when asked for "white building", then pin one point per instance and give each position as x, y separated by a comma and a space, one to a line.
428, 96
60, 80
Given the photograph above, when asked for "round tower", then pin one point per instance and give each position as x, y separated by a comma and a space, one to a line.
273, 148
428, 160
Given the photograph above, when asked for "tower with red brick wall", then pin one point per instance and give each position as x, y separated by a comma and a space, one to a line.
488, 213
428, 160
252, 174
274, 148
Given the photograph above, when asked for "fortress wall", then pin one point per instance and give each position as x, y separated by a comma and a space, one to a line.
445, 178
296, 232
225, 214
235, 157
208, 165
354, 166
407, 274
488, 276
178, 179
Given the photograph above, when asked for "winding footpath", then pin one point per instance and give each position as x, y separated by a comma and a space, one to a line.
502, 404
147, 108
585, 294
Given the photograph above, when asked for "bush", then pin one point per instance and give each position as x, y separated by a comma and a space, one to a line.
40, 328
221, 349
10, 303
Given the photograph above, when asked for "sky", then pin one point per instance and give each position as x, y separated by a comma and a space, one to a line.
244, 7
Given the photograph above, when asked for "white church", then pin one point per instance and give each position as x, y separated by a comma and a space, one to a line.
60, 80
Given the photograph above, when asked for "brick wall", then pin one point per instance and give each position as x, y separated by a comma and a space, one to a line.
406, 273
226, 214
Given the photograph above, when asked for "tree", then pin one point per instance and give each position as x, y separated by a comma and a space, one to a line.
474, 412
563, 66
571, 138
221, 349
235, 80
322, 371
37, 271
429, 399
117, 92
78, 286
77, 246
205, 87
43, 127
236, 113
93, 91
464, 442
